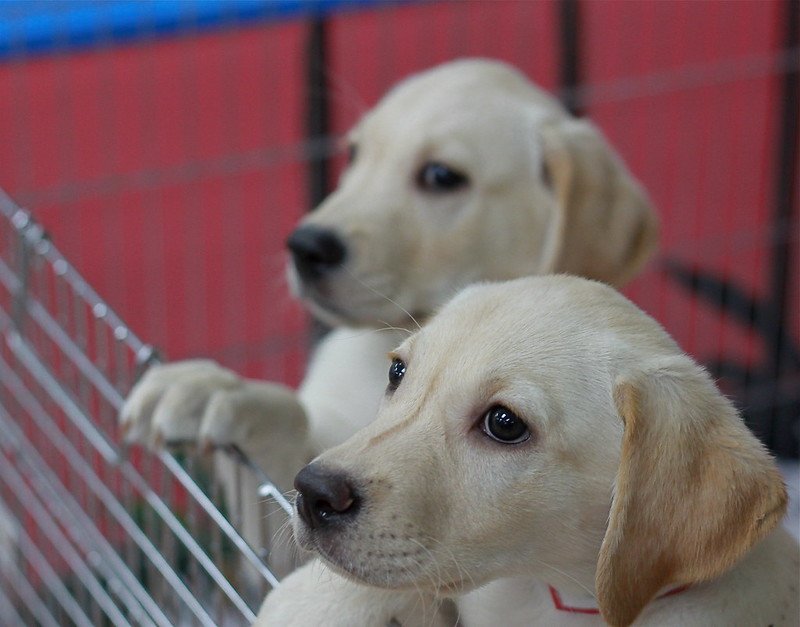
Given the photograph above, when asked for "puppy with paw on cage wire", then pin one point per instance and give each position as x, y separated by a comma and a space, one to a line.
464, 173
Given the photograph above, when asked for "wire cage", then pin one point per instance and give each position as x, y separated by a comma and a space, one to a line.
168, 148
92, 534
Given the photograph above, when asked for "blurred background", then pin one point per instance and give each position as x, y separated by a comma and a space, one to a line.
167, 148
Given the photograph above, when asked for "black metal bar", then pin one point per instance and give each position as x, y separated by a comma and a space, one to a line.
570, 34
317, 128
318, 109
784, 420
785, 191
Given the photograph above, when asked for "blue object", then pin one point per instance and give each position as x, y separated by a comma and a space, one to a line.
34, 27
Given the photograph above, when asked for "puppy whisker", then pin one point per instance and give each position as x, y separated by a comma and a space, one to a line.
384, 296
273, 511
389, 327
344, 91
419, 592
439, 580
365, 332
586, 589
289, 495
430, 604
463, 573
284, 534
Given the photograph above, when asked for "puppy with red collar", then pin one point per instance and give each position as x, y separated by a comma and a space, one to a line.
545, 454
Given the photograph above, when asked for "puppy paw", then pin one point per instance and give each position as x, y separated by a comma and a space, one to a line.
199, 402
258, 417
169, 403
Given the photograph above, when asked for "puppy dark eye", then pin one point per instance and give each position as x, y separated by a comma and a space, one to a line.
396, 372
504, 426
437, 177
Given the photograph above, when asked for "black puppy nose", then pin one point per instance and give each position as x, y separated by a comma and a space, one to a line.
315, 250
324, 496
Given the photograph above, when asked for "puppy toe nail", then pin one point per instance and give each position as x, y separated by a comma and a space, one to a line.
206, 446
159, 440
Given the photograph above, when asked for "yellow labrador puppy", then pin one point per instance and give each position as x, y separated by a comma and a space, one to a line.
548, 455
462, 173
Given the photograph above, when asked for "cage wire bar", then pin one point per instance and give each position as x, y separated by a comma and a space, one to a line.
90, 532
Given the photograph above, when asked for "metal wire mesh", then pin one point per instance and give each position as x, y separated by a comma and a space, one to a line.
91, 535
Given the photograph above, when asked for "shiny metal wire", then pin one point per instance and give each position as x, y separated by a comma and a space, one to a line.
94, 533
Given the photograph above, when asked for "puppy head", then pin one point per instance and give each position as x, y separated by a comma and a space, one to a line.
466, 172
515, 422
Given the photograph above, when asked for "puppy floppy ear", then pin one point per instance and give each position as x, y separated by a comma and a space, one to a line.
695, 490
606, 228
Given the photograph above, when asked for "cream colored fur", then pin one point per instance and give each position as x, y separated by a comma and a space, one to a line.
638, 476
545, 193
313, 596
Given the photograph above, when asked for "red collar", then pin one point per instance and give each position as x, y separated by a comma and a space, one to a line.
562, 607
